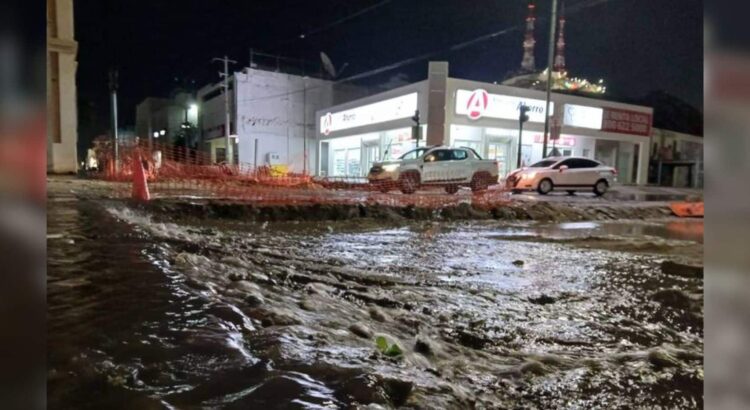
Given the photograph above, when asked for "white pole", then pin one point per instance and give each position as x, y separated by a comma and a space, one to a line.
550, 57
227, 119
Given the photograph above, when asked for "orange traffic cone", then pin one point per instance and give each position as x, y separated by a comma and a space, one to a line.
140, 187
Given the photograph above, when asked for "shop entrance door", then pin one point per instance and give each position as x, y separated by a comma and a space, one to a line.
371, 154
500, 152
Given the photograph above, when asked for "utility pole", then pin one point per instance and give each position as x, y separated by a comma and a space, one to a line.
550, 57
227, 121
113, 103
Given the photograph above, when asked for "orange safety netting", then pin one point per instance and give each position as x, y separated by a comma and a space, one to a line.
179, 172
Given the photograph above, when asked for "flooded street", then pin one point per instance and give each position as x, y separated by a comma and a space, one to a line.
221, 313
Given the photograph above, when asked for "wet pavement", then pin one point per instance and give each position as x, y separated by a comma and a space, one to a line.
222, 313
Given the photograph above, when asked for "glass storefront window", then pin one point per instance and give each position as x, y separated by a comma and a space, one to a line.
352, 162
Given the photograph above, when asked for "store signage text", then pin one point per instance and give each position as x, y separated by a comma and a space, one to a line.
382, 111
564, 140
626, 122
479, 103
583, 116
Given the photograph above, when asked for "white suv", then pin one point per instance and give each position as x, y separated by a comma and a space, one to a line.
565, 173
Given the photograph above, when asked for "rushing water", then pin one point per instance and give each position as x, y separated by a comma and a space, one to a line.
211, 314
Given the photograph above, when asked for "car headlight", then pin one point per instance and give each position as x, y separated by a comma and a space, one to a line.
390, 167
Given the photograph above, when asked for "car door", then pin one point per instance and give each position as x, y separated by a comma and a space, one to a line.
459, 168
589, 172
563, 174
435, 165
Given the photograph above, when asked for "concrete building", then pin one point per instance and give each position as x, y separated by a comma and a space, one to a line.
272, 117
62, 121
482, 116
161, 120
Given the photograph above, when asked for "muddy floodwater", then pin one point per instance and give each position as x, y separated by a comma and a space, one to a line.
212, 313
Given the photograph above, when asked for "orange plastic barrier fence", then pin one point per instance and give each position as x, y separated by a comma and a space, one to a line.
178, 172
687, 209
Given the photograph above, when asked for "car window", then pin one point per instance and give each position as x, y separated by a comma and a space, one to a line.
413, 154
567, 162
443, 155
543, 164
476, 155
578, 163
459, 154
589, 163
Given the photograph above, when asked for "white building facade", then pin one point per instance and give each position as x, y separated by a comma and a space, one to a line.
482, 116
272, 117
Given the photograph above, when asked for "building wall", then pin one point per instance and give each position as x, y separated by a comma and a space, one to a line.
274, 108
154, 114
62, 121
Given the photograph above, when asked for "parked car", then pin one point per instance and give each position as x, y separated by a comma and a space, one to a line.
443, 166
564, 173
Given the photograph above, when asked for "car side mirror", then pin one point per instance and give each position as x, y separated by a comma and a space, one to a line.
563, 168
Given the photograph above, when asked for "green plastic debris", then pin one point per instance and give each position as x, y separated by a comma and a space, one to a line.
388, 350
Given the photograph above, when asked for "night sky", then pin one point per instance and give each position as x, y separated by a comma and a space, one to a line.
637, 46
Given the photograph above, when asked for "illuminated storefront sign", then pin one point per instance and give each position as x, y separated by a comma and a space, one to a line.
564, 140
583, 116
381, 111
626, 122
479, 103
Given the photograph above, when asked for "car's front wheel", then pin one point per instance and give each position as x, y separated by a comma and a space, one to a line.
601, 187
409, 182
545, 186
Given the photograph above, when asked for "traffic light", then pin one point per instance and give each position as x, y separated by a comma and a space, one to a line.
416, 130
522, 110
522, 118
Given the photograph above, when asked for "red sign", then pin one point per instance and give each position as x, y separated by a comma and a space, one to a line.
563, 140
626, 122
327, 122
477, 104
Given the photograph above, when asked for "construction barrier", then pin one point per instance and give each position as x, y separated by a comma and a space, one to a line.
178, 172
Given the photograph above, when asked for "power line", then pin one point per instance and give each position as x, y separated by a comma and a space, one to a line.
334, 23
571, 10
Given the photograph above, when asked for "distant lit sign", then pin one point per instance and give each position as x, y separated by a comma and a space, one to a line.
626, 122
583, 116
381, 111
479, 103
563, 140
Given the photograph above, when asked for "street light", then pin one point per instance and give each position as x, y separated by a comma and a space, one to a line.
156, 134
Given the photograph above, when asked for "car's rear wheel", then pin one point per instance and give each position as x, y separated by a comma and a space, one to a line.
409, 182
601, 187
545, 186
480, 182
451, 189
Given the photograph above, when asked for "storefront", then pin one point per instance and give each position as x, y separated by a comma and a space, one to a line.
484, 117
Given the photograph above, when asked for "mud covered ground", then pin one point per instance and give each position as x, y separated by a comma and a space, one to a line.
154, 308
